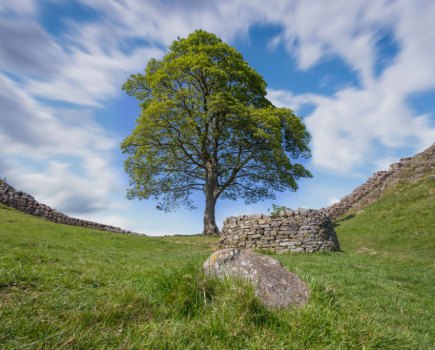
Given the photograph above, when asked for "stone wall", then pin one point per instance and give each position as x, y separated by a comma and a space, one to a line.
301, 230
26, 203
407, 170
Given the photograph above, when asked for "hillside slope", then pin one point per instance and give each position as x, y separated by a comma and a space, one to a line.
75, 288
406, 171
402, 221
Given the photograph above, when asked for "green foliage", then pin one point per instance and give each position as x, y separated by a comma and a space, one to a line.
64, 287
206, 125
277, 210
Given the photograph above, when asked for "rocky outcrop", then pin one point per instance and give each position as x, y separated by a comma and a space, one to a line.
406, 170
26, 203
301, 230
274, 285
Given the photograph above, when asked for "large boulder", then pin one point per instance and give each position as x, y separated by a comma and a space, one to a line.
274, 285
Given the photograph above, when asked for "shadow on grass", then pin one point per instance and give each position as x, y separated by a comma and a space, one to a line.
340, 221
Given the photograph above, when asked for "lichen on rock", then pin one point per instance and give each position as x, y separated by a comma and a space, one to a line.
274, 285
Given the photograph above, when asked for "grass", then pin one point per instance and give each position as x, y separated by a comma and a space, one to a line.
66, 287
401, 223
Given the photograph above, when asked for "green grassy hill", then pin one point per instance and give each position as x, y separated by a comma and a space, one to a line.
401, 223
66, 287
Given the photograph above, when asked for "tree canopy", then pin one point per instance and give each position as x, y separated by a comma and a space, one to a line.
206, 125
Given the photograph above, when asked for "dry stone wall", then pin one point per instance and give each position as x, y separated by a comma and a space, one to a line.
26, 203
301, 230
406, 170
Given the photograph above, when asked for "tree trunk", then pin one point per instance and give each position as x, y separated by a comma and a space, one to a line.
210, 227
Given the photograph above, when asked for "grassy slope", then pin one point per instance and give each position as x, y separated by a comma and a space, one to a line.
67, 287
403, 221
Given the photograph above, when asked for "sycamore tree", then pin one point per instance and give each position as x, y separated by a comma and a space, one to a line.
206, 125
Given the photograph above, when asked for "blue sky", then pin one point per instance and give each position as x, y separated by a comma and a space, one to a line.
361, 74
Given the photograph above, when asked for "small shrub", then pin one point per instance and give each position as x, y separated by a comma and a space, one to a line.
277, 210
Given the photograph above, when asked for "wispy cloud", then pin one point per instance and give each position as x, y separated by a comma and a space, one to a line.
64, 162
350, 127
63, 154
22, 7
27, 49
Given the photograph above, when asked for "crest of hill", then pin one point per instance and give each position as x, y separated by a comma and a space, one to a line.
407, 170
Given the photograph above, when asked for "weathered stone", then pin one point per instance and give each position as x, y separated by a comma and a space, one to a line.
274, 285
314, 231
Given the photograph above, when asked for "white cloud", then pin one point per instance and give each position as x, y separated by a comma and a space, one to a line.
62, 189
91, 79
349, 127
65, 164
28, 50
359, 124
27, 123
284, 98
66, 159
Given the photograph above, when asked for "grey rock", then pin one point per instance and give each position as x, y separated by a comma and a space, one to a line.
274, 285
